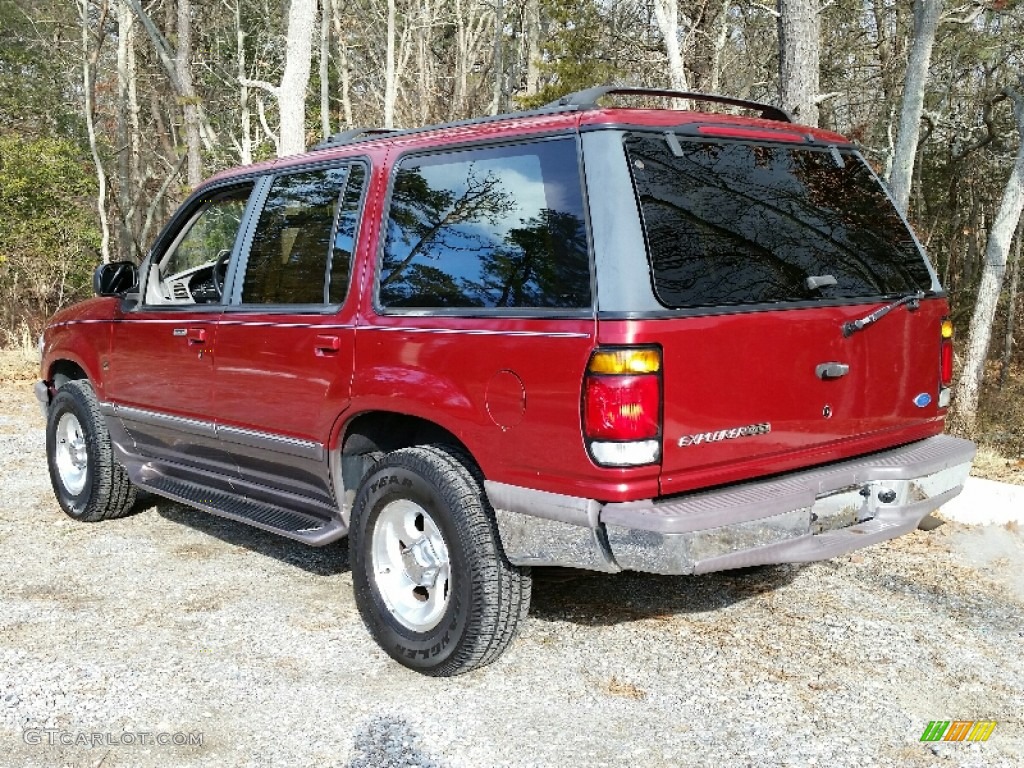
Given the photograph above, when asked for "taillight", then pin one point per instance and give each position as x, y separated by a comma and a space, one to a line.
945, 361
622, 406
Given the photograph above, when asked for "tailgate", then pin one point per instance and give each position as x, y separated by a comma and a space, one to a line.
744, 394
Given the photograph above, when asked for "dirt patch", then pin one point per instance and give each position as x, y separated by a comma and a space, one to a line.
18, 366
992, 465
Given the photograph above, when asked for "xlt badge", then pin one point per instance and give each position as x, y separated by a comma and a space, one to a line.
751, 430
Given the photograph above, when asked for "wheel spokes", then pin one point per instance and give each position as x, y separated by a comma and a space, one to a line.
410, 564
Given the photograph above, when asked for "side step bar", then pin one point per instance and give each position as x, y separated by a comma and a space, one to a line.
285, 522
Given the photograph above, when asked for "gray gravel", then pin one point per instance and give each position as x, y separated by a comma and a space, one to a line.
172, 623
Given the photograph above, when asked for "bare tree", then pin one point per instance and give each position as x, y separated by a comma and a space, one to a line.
291, 93
177, 66
999, 238
800, 57
128, 133
90, 55
926, 21
1011, 308
325, 63
667, 14
183, 69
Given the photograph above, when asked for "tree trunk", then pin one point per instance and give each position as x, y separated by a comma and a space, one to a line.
533, 52
245, 113
667, 14
994, 270
1011, 308
89, 59
325, 61
344, 72
799, 58
291, 95
721, 38
390, 86
183, 69
126, 141
926, 22
184, 91
499, 64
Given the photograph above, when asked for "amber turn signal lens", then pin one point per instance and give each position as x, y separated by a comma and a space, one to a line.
620, 361
947, 329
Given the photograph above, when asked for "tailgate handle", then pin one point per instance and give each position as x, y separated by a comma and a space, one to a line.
826, 371
327, 345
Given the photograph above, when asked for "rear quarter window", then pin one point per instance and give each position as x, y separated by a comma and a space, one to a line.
487, 228
731, 223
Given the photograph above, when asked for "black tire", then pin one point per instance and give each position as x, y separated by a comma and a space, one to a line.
103, 491
487, 596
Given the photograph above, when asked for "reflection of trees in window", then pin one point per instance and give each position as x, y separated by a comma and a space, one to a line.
465, 238
538, 264
734, 223
433, 222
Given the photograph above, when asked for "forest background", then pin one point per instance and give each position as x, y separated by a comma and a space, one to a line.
111, 111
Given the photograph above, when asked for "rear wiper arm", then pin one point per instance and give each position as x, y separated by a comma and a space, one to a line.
850, 327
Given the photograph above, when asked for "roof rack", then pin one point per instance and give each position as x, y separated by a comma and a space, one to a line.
588, 99
572, 102
350, 136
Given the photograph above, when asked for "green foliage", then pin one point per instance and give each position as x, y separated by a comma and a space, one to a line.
576, 53
48, 236
36, 86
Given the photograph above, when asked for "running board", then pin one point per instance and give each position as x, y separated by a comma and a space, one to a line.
285, 522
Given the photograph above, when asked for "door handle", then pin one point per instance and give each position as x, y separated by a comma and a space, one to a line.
327, 346
196, 336
826, 371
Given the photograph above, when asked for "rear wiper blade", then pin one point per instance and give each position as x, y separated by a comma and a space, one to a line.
850, 327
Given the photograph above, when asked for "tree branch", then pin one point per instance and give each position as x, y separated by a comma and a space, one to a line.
270, 88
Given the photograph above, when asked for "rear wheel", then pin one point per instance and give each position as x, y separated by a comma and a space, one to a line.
432, 582
89, 484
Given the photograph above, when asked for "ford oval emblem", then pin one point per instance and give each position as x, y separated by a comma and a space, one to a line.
922, 400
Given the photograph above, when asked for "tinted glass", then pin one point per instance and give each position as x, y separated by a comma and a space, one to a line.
210, 234
731, 223
345, 234
492, 227
288, 260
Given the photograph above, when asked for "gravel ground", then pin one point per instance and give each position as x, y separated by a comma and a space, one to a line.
172, 624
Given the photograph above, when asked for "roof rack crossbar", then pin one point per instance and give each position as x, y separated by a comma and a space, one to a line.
587, 99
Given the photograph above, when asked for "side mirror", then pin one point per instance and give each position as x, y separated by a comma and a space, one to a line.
115, 278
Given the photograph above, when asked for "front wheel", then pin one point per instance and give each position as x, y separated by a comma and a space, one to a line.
432, 582
89, 483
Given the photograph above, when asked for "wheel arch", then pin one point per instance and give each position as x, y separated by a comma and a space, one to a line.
359, 440
63, 370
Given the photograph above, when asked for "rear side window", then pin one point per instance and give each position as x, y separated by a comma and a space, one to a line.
290, 249
730, 223
492, 228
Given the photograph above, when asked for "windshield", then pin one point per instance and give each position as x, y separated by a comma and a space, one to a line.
731, 223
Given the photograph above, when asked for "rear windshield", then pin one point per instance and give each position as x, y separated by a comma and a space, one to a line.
731, 223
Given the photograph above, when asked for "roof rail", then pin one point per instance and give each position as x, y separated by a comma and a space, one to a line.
588, 99
350, 136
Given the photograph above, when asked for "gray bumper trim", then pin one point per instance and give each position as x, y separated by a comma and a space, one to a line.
767, 498
797, 517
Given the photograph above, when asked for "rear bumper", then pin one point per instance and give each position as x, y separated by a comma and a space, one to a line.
797, 517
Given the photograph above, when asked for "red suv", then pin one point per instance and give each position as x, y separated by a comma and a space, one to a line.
606, 338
